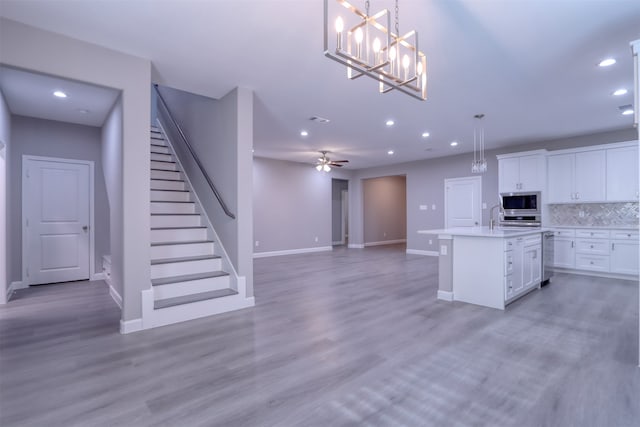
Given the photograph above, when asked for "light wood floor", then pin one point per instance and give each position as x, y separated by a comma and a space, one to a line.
349, 338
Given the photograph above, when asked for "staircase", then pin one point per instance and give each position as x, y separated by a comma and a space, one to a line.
190, 274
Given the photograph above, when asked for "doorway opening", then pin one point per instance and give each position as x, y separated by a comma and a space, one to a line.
384, 201
339, 212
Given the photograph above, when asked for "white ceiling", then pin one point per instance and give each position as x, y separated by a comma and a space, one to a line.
528, 65
31, 94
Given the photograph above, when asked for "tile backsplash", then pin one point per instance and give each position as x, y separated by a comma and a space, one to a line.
594, 214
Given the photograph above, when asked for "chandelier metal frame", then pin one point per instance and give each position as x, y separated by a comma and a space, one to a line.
368, 47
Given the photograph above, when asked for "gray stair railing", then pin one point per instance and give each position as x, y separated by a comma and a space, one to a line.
194, 155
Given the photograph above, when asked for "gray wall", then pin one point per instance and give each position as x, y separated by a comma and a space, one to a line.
5, 137
30, 48
384, 209
47, 138
292, 203
221, 133
337, 186
112, 149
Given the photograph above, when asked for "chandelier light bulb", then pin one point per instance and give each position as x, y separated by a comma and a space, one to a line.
339, 24
359, 35
376, 45
406, 61
392, 53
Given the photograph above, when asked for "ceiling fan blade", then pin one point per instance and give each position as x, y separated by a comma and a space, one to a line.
337, 165
340, 161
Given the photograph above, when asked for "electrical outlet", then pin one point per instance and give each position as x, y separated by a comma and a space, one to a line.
433, 207
484, 205
384, 234
316, 238
423, 207
581, 214
443, 250
257, 243
430, 241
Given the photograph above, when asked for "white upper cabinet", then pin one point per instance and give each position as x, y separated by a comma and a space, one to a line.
577, 177
521, 172
622, 174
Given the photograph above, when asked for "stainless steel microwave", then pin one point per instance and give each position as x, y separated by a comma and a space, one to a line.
521, 208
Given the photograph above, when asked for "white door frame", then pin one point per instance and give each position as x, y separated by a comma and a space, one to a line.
446, 197
25, 253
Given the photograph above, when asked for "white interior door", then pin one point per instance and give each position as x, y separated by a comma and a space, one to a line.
56, 200
463, 204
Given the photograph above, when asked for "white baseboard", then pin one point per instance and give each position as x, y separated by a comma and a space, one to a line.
596, 274
355, 246
337, 242
116, 296
445, 295
97, 276
14, 286
420, 252
292, 252
385, 242
129, 326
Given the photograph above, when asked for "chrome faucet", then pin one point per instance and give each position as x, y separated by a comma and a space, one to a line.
492, 222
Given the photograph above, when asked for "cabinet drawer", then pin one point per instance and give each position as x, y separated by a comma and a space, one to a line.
536, 239
508, 262
565, 232
592, 262
592, 246
593, 234
624, 235
509, 244
508, 287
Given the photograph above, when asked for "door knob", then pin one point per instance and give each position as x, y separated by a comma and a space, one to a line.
85, 228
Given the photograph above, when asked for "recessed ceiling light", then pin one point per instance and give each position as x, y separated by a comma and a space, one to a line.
390, 123
425, 134
60, 94
627, 112
304, 133
390, 152
454, 143
607, 62
620, 92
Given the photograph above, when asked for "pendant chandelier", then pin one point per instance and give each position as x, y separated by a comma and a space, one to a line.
479, 164
367, 46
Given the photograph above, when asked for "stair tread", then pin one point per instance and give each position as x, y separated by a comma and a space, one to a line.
162, 170
162, 189
175, 214
165, 179
183, 259
179, 228
170, 201
186, 242
163, 161
188, 277
186, 299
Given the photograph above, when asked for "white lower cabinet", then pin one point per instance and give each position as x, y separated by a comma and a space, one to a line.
624, 256
523, 265
597, 250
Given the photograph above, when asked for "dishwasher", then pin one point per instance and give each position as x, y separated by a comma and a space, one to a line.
547, 257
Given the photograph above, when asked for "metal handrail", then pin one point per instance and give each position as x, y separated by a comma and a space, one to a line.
195, 156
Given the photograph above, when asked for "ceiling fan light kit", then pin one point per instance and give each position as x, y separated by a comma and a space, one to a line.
325, 163
367, 46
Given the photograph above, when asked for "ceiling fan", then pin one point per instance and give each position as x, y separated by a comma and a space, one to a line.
325, 163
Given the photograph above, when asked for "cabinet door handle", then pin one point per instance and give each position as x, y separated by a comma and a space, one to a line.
577, 196
572, 243
613, 246
591, 246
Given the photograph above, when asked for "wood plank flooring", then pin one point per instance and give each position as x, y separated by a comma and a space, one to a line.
343, 338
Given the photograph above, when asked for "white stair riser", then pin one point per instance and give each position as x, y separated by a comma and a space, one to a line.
190, 287
182, 250
164, 166
156, 141
181, 313
178, 235
160, 150
170, 196
187, 267
175, 221
172, 208
165, 175
167, 185
162, 157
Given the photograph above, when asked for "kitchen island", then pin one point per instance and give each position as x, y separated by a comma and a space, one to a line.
488, 267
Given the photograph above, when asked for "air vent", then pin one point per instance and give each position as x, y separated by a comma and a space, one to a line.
319, 119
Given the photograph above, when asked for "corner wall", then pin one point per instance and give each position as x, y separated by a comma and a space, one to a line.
33, 49
5, 137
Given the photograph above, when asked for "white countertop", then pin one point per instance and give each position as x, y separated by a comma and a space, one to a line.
485, 232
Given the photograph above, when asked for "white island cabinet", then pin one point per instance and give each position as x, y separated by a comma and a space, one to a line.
488, 267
